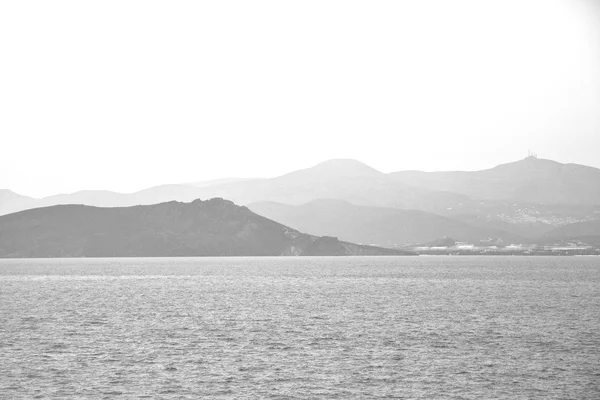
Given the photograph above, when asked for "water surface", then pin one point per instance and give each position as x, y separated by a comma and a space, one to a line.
364, 327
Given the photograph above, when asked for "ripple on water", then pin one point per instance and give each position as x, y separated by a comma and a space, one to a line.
458, 327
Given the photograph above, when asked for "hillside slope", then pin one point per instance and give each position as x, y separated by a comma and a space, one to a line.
373, 225
577, 229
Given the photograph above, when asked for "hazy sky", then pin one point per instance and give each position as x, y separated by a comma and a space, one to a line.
123, 95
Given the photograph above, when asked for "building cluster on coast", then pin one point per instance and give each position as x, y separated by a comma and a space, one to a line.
463, 248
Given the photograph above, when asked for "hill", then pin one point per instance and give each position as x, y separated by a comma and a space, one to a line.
214, 227
531, 180
373, 225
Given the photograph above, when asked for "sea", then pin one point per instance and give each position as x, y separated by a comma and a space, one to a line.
448, 327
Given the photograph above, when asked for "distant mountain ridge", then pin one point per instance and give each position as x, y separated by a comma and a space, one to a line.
11, 202
347, 180
106, 198
214, 227
531, 180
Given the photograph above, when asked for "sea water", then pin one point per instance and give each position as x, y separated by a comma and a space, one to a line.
301, 328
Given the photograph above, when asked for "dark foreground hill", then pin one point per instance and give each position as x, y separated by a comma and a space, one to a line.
214, 227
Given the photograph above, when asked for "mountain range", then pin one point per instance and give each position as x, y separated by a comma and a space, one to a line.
518, 201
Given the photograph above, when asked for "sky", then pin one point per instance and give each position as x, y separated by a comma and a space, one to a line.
123, 95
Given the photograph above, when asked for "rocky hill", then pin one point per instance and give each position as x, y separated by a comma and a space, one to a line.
214, 227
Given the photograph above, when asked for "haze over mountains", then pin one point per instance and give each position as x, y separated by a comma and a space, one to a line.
517, 201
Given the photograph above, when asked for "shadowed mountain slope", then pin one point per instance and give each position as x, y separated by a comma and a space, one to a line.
531, 180
585, 231
576, 230
373, 225
214, 227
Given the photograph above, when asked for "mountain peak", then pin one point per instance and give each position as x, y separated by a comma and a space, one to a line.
332, 170
6, 194
346, 166
529, 164
537, 160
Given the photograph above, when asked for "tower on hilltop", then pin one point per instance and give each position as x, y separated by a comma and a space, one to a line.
531, 154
